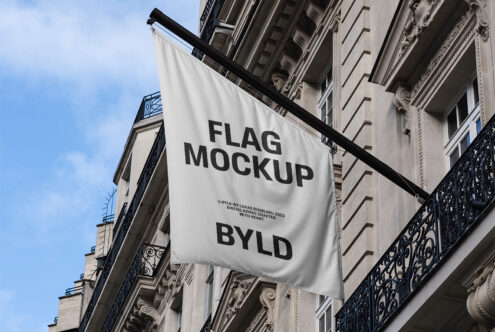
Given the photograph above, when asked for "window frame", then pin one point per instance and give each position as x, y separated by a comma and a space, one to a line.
210, 271
324, 308
323, 97
324, 107
469, 126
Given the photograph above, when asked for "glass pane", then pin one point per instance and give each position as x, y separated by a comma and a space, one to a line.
452, 122
328, 319
476, 93
329, 101
478, 126
463, 108
323, 112
321, 299
329, 76
465, 143
321, 324
329, 110
453, 157
323, 86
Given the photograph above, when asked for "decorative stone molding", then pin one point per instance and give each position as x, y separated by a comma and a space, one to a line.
402, 102
279, 78
148, 312
247, 304
479, 9
142, 316
256, 322
239, 290
288, 85
481, 296
306, 24
334, 25
267, 299
419, 129
298, 93
314, 12
170, 280
292, 49
419, 18
442, 50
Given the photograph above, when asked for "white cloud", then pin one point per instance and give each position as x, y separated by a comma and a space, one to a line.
100, 55
90, 44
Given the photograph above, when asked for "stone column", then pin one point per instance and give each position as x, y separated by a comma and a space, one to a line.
481, 296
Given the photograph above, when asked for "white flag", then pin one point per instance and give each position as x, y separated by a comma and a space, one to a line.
248, 190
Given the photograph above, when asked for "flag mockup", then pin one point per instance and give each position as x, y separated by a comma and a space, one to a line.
248, 190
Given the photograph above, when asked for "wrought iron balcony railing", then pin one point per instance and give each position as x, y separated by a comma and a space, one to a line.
459, 202
208, 23
75, 290
207, 326
143, 181
119, 219
150, 106
205, 14
107, 218
144, 264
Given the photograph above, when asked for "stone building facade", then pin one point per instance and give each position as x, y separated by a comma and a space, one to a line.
410, 81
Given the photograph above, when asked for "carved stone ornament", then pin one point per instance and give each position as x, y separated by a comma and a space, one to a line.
442, 51
479, 9
419, 18
279, 78
171, 281
306, 24
298, 92
143, 315
402, 100
481, 296
148, 312
256, 322
267, 299
239, 290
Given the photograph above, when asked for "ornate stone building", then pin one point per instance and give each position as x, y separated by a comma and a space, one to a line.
412, 82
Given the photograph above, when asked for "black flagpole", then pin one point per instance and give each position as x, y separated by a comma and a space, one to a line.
315, 123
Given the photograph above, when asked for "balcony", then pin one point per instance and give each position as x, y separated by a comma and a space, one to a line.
75, 290
144, 264
151, 105
456, 206
208, 22
124, 221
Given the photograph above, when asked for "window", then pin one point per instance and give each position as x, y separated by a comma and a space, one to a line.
462, 123
324, 314
179, 319
325, 99
209, 291
176, 306
325, 104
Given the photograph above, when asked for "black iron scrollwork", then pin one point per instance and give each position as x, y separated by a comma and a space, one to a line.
145, 263
208, 23
75, 290
127, 218
455, 206
151, 105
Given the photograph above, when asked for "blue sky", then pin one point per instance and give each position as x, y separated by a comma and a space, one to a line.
72, 75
